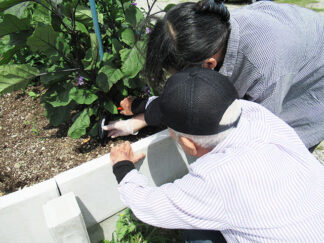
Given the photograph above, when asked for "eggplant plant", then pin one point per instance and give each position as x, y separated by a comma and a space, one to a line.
54, 42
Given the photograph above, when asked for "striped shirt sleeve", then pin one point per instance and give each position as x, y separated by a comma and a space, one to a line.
174, 205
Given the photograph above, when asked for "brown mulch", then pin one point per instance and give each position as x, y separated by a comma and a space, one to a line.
31, 150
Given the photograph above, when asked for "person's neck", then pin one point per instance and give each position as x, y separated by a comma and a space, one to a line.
220, 56
220, 138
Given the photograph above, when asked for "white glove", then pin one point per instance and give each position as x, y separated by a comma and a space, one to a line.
120, 128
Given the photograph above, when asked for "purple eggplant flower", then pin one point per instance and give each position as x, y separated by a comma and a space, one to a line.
147, 30
80, 81
134, 3
147, 90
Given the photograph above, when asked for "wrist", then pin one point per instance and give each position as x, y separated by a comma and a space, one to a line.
121, 169
138, 105
131, 126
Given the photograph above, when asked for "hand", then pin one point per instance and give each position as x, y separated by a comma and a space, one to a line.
126, 104
120, 128
124, 151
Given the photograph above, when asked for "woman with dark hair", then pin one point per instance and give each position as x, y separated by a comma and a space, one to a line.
272, 53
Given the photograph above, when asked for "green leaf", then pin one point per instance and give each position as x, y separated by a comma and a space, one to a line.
41, 15
5, 4
81, 27
57, 115
53, 77
128, 37
114, 74
132, 227
83, 96
133, 15
94, 48
132, 60
80, 125
103, 82
116, 46
62, 96
14, 77
11, 24
109, 106
19, 10
43, 39
20, 39
107, 77
121, 230
6, 57
93, 132
92, 54
84, 16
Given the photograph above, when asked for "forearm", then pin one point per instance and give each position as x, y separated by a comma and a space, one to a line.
138, 122
173, 204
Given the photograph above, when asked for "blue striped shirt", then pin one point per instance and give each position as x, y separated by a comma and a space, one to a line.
275, 57
260, 184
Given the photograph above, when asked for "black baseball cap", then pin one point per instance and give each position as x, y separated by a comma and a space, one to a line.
193, 101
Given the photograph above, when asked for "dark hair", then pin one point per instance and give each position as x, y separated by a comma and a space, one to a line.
188, 34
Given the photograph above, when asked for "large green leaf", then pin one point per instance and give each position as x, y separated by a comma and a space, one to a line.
83, 96
57, 115
14, 77
62, 96
11, 24
128, 37
19, 10
132, 59
20, 38
5, 4
133, 15
107, 77
80, 125
41, 15
83, 15
43, 39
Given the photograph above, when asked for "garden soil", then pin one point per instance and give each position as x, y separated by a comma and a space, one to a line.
31, 150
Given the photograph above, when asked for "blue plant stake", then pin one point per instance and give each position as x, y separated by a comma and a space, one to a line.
96, 26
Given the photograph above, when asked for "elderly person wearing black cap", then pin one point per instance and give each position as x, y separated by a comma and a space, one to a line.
254, 180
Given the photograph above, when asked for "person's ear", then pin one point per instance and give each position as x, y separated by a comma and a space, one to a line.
188, 146
210, 63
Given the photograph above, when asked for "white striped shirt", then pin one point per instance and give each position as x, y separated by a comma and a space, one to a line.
260, 184
275, 57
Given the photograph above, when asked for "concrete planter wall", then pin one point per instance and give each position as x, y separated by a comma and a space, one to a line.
26, 216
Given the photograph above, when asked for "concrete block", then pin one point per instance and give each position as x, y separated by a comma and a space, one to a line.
21, 215
64, 220
104, 230
95, 188
95, 185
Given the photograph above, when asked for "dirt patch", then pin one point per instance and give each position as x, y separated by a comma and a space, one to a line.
32, 151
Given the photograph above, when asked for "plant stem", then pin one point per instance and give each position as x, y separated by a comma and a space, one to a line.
148, 16
64, 70
122, 3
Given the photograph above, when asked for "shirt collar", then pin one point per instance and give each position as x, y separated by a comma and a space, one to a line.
232, 49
